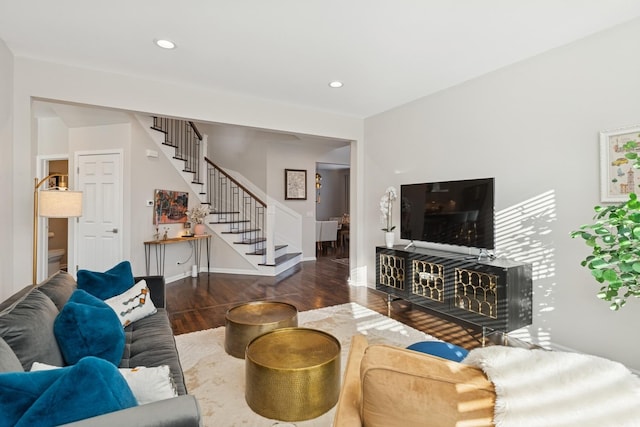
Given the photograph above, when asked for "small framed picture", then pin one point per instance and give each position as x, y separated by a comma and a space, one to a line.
295, 184
618, 178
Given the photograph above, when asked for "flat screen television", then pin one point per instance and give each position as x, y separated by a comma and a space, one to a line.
457, 213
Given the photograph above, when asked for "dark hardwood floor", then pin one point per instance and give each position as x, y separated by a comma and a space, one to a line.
201, 303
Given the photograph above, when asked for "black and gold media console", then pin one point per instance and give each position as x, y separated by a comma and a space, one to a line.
491, 293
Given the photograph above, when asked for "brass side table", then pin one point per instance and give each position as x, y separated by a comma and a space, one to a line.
292, 374
249, 320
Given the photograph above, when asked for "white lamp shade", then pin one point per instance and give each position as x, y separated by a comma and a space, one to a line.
60, 204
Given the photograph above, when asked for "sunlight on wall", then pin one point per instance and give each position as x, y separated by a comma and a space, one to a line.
358, 277
524, 233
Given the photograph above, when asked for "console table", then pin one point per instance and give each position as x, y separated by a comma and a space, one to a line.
160, 249
494, 294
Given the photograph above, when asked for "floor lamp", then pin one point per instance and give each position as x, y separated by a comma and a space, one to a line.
57, 202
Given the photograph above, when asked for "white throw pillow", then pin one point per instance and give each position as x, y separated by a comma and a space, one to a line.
133, 304
148, 384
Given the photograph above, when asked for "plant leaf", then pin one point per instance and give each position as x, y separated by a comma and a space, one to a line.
610, 275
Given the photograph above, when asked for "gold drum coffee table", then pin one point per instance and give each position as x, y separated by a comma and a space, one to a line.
247, 321
292, 374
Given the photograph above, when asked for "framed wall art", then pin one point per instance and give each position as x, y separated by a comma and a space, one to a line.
618, 178
170, 207
295, 184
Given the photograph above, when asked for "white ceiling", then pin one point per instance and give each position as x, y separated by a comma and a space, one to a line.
387, 53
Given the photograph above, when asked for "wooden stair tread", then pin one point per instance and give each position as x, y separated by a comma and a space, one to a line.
250, 241
226, 213
282, 259
248, 230
229, 222
158, 129
264, 251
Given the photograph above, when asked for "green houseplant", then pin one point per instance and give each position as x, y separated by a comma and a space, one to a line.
614, 239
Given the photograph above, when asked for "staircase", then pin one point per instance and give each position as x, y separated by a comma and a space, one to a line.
238, 216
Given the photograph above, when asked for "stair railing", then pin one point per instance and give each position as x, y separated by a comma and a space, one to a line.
237, 206
186, 139
232, 202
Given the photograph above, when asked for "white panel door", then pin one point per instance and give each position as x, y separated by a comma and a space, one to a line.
100, 226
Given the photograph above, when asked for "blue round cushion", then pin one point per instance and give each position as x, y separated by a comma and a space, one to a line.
440, 349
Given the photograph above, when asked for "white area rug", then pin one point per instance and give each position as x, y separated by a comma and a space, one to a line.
217, 379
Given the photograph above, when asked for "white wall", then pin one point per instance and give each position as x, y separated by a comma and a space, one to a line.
262, 158
239, 149
281, 156
6, 169
53, 136
534, 126
143, 175
149, 174
37, 79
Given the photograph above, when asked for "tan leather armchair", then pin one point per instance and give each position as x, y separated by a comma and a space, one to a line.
386, 386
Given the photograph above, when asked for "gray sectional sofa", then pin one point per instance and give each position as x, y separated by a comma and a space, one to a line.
26, 336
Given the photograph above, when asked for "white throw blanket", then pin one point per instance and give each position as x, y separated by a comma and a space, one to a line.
539, 388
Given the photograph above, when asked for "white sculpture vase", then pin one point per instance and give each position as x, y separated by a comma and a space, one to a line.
389, 238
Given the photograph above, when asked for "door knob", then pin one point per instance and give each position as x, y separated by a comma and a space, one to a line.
115, 231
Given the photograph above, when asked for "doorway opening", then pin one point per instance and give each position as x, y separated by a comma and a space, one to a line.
55, 241
332, 196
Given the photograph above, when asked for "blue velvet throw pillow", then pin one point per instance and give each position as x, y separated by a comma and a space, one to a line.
108, 284
90, 388
440, 349
19, 390
87, 326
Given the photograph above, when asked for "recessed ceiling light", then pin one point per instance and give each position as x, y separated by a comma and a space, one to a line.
335, 84
165, 44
